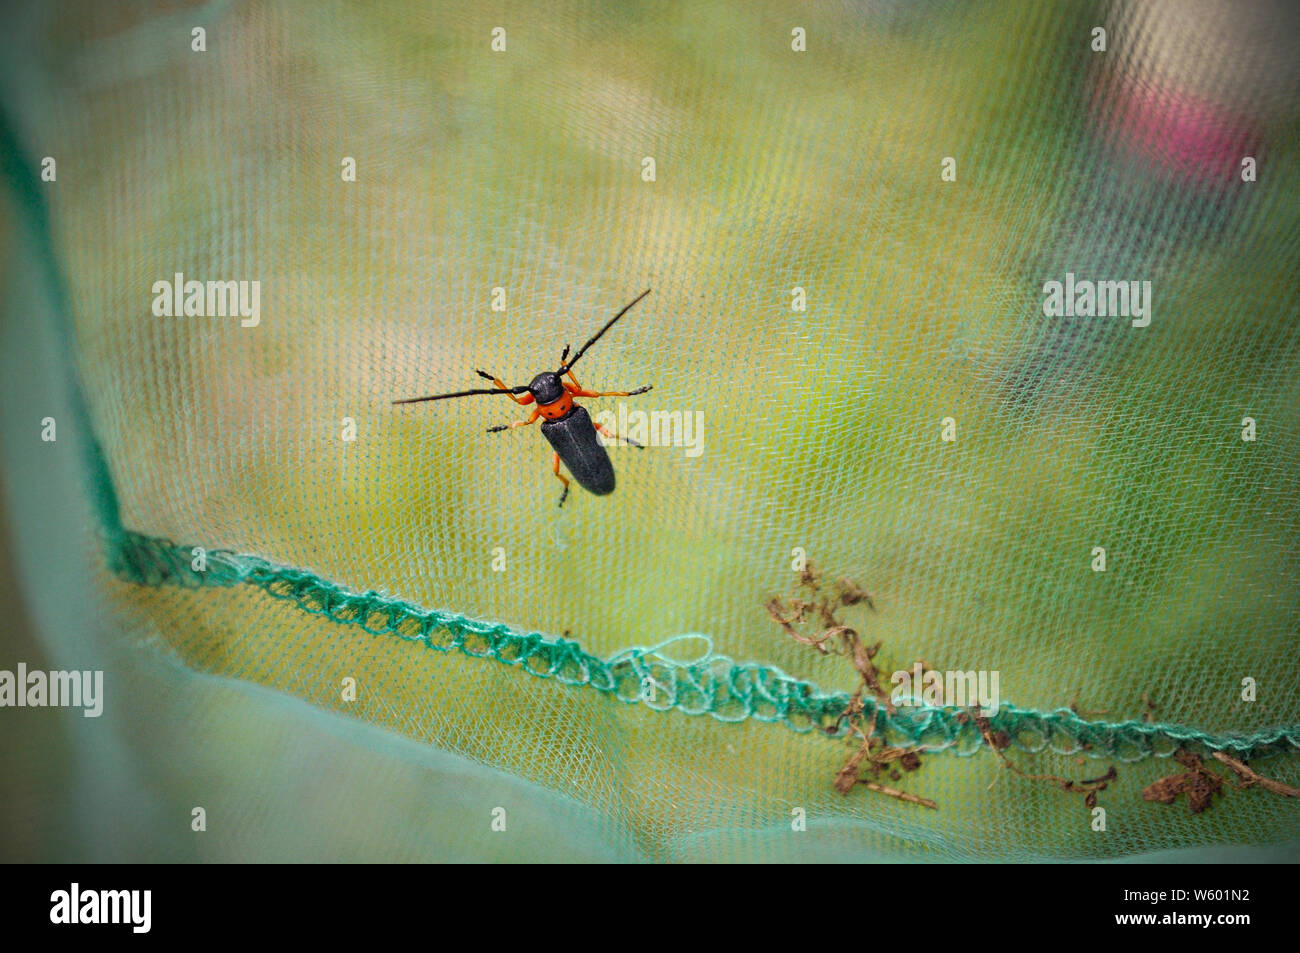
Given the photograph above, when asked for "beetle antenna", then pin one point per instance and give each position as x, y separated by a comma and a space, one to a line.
463, 393
565, 365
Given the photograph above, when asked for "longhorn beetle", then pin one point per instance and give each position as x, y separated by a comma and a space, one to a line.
568, 427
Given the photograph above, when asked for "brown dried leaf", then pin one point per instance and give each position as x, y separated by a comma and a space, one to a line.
1165, 790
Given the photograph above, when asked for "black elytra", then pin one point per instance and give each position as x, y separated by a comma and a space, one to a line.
573, 437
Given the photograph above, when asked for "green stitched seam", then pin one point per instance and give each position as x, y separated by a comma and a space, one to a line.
19, 171
714, 686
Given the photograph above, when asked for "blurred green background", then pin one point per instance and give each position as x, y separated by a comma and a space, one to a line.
522, 169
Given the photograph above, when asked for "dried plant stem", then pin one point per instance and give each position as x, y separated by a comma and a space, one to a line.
1252, 777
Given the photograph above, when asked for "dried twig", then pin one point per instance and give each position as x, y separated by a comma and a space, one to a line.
1147, 714
1073, 705
872, 755
901, 795
1000, 740
1252, 778
834, 635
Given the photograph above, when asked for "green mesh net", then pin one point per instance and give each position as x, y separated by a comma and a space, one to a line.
351, 630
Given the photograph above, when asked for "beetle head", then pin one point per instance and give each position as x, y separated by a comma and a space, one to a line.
546, 388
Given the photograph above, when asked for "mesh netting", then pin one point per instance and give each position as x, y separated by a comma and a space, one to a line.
503, 207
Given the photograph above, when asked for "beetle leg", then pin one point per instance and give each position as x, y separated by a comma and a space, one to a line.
579, 392
613, 436
526, 399
532, 418
555, 468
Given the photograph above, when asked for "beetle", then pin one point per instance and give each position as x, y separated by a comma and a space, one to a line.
567, 426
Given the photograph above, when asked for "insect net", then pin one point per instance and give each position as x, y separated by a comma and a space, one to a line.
349, 630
